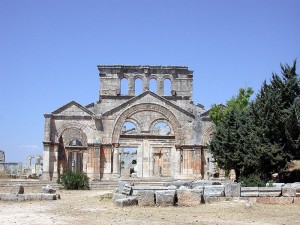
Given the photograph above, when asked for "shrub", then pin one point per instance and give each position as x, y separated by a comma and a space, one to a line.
252, 180
72, 180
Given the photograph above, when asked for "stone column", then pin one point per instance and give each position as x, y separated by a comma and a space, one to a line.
97, 161
160, 87
46, 161
116, 162
130, 86
47, 127
177, 162
54, 159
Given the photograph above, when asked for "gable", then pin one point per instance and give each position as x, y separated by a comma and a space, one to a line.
148, 97
72, 109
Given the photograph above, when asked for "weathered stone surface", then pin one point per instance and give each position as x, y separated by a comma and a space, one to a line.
165, 198
130, 201
214, 191
269, 191
249, 191
232, 190
146, 198
17, 189
48, 189
200, 183
179, 183
118, 196
296, 185
172, 187
9, 197
28, 197
288, 191
127, 189
189, 197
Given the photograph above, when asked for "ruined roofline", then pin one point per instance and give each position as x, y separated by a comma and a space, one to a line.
162, 69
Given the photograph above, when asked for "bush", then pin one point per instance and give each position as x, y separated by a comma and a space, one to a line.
252, 180
72, 180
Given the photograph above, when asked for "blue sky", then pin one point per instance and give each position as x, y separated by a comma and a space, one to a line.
49, 51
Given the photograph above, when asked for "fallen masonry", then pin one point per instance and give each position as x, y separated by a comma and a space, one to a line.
17, 194
192, 193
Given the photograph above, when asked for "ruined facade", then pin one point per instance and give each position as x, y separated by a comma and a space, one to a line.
143, 135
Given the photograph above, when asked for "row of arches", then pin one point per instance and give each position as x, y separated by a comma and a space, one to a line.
153, 85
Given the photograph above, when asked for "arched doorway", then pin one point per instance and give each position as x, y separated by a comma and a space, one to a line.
72, 152
153, 138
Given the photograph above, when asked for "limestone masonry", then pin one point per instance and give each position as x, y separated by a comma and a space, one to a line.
129, 134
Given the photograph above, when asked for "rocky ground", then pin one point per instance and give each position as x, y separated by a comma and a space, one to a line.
90, 207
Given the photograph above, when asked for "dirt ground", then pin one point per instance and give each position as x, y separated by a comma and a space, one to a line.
88, 207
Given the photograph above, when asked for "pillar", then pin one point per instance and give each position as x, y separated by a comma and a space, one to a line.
177, 162
97, 161
116, 162
46, 161
54, 160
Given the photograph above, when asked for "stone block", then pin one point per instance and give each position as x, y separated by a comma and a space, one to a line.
127, 189
189, 197
17, 189
269, 191
117, 196
232, 190
172, 187
48, 189
9, 197
214, 191
200, 183
179, 183
48, 196
288, 191
130, 201
146, 198
249, 191
165, 198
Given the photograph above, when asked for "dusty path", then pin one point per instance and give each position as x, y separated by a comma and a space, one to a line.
86, 207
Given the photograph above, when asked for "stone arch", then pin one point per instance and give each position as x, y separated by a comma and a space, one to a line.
135, 122
160, 120
71, 125
206, 137
172, 120
38, 158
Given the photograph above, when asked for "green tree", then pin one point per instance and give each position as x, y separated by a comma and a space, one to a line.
260, 137
239, 102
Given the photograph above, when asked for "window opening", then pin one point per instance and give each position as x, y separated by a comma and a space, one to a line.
138, 86
124, 86
152, 85
162, 128
167, 87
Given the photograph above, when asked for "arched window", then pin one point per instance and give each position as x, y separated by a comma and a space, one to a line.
167, 87
129, 128
75, 143
162, 128
138, 86
124, 86
152, 85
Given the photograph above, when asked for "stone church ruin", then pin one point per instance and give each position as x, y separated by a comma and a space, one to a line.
150, 134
